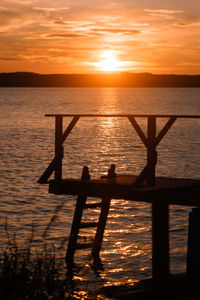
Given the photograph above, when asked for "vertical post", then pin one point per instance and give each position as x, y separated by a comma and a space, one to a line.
58, 147
81, 200
193, 258
160, 241
101, 227
151, 150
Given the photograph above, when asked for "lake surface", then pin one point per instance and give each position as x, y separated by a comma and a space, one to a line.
27, 147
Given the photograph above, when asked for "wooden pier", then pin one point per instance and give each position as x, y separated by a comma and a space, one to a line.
161, 192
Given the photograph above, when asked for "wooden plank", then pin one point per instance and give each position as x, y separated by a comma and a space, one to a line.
127, 115
179, 191
151, 150
138, 130
142, 177
69, 128
164, 130
193, 258
72, 243
47, 173
58, 147
76, 224
101, 227
160, 242
93, 205
84, 246
89, 224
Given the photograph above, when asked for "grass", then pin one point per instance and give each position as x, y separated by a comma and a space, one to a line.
28, 273
31, 274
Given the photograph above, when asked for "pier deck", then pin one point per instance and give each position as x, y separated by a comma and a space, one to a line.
177, 191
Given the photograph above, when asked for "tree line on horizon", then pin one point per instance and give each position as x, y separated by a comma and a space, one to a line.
125, 79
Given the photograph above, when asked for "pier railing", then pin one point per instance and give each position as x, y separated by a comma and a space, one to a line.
150, 140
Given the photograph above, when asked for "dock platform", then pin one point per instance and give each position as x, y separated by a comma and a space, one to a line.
160, 192
176, 191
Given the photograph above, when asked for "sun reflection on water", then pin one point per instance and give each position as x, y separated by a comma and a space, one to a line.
107, 123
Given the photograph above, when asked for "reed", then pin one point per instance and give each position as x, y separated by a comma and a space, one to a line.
31, 274
53, 218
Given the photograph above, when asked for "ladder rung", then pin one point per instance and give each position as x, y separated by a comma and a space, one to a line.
84, 246
89, 224
93, 205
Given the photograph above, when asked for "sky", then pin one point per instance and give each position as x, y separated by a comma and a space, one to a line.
95, 36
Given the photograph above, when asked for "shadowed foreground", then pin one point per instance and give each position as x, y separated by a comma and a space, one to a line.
28, 274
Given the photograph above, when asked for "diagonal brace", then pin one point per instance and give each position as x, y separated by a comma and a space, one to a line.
138, 130
50, 169
165, 129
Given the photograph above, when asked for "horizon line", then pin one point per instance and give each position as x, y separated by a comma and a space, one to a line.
102, 73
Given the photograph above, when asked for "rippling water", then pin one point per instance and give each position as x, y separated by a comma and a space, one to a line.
27, 147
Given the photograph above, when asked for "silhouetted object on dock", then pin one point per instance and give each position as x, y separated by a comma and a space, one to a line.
161, 192
112, 174
85, 174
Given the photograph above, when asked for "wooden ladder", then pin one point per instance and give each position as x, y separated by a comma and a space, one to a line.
77, 223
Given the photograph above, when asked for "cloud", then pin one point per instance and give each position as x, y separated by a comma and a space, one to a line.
6, 15
153, 32
10, 59
188, 63
51, 9
178, 17
164, 11
17, 14
189, 19
65, 35
167, 14
116, 31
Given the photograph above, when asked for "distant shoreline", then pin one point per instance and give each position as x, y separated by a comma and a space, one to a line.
27, 79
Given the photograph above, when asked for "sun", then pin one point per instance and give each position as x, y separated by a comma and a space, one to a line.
110, 63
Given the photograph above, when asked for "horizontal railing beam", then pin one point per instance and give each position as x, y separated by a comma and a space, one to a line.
125, 116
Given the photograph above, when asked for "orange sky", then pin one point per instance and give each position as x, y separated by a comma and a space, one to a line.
61, 36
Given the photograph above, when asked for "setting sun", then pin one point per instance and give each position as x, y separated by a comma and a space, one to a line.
86, 37
110, 62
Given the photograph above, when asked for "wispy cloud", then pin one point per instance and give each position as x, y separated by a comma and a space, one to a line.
65, 35
157, 35
116, 31
164, 11
165, 14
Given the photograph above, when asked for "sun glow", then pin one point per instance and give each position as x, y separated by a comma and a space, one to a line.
110, 62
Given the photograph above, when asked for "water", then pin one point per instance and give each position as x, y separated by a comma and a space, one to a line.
27, 147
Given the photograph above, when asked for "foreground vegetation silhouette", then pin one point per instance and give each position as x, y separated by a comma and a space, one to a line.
30, 274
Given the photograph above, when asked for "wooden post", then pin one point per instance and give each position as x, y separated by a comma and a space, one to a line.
81, 200
151, 150
193, 257
100, 229
75, 230
58, 147
160, 241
